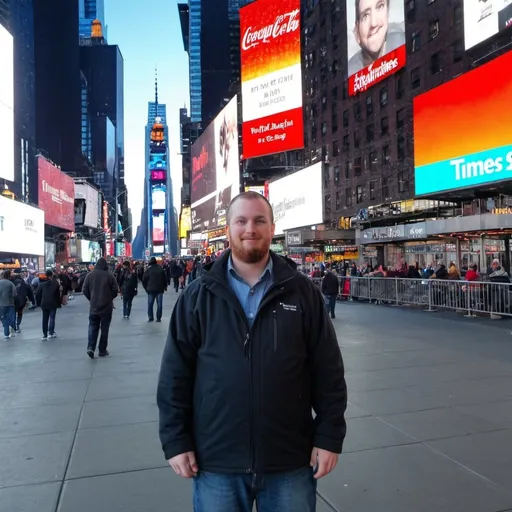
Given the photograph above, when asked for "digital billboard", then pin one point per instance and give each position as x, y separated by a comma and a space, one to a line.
297, 199
375, 41
86, 205
271, 77
158, 175
462, 136
56, 195
485, 18
158, 198
158, 228
257, 189
215, 170
88, 251
157, 161
6, 105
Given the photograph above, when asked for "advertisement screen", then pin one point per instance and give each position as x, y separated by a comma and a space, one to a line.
21, 228
297, 199
158, 198
473, 141
157, 161
56, 195
485, 18
185, 222
158, 228
375, 41
88, 252
6, 106
88, 197
271, 77
259, 190
158, 175
215, 170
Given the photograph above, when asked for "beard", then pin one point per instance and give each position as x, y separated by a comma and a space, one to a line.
249, 255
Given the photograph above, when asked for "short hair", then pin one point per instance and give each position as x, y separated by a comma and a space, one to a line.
250, 195
49, 274
126, 264
6, 274
358, 14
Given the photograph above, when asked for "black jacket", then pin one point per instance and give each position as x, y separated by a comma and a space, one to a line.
128, 283
241, 397
100, 288
330, 284
48, 294
24, 292
154, 279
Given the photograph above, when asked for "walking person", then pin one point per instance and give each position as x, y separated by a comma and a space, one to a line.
49, 299
100, 289
176, 273
7, 304
250, 352
128, 284
24, 292
330, 289
155, 284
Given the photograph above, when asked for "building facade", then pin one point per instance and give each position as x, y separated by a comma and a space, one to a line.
88, 11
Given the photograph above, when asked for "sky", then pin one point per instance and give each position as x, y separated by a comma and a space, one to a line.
149, 35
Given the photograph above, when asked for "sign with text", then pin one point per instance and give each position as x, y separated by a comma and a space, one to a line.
271, 77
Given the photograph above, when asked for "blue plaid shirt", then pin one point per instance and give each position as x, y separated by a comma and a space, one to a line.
250, 298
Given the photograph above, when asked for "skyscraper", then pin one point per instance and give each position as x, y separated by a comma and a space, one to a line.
88, 11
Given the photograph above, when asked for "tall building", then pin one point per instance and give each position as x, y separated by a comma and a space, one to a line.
5, 13
88, 11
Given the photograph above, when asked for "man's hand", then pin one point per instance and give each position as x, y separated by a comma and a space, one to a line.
324, 460
185, 464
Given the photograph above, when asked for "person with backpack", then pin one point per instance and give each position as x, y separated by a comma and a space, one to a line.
24, 292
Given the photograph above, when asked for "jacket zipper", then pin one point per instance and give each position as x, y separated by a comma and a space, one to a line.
274, 314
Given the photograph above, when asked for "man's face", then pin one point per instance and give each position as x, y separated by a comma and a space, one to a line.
372, 28
250, 230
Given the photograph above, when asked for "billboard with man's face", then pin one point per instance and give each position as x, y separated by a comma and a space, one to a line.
375, 41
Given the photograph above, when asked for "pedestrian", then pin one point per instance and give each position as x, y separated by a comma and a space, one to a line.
24, 292
176, 273
49, 299
128, 284
250, 352
155, 284
330, 289
100, 289
7, 304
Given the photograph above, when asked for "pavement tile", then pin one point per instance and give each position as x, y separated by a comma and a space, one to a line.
30, 498
499, 413
122, 385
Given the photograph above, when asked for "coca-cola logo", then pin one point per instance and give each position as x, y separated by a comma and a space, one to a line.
283, 24
201, 161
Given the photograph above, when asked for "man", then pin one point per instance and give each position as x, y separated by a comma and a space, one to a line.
250, 352
373, 33
128, 285
48, 298
155, 284
7, 301
176, 273
330, 288
100, 289
23, 292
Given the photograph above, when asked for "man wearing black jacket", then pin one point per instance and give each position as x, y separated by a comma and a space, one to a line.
48, 298
330, 288
250, 352
155, 284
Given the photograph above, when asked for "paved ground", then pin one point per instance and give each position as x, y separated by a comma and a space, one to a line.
430, 416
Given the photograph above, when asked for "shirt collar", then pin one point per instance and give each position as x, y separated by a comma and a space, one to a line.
267, 271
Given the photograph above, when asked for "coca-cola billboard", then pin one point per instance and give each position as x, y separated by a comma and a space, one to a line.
56, 195
271, 77
375, 42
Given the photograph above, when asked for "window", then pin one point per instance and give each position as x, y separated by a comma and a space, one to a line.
324, 128
324, 103
359, 194
348, 170
403, 181
415, 78
384, 126
348, 197
327, 177
357, 112
335, 148
435, 63
457, 14
327, 203
458, 50
416, 41
346, 144
385, 155
433, 30
335, 68
372, 190
337, 174
334, 121
345, 119
400, 84
357, 139
411, 10
370, 132
383, 95
372, 161
357, 167
400, 147
385, 188
369, 106
338, 200
400, 119
345, 89
334, 94
335, 44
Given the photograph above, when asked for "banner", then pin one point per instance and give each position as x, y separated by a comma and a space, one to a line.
271, 77
86, 205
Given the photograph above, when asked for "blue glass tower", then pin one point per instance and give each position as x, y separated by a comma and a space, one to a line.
88, 11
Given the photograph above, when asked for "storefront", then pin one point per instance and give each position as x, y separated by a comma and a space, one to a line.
335, 253
217, 241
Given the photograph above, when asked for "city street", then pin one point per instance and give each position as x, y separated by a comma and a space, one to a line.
429, 419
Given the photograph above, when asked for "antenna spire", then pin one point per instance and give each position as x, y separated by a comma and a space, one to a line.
156, 89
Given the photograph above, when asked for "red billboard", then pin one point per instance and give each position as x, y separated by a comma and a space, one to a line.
271, 77
56, 195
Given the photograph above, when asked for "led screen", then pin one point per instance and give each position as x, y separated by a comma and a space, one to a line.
158, 228
158, 175
158, 199
6, 106
485, 18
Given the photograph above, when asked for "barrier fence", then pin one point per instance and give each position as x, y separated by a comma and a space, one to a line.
433, 294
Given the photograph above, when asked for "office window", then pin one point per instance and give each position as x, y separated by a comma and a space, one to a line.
457, 14
433, 30
383, 95
337, 174
372, 161
435, 63
357, 166
384, 126
370, 132
334, 94
348, 170
345, 119
338, 200
400, 119
403, 181
324, 128
348, 197
416, 41
334, 121
411, 10
400, 146
400, 84
357, 139
369, 106
386, 157
327, 204
372, 190
458, 50
416, 78
357, 111
359, 194
335, 68
385, 188
335, 148
324, 103
327, 177
346, 144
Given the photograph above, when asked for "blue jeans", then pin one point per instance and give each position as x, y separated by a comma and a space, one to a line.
49, 321
330, 304
8, 317
159, 305
293, 491
127, 305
